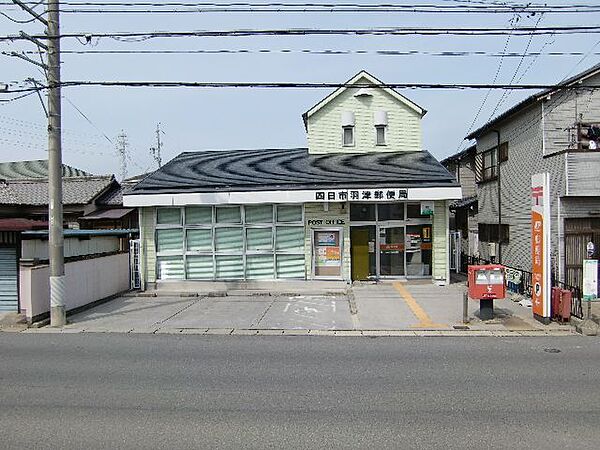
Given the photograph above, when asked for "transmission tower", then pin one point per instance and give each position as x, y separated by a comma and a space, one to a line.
155, 151
122, 148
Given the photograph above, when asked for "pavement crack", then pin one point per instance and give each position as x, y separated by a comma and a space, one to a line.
263, 315
181, 310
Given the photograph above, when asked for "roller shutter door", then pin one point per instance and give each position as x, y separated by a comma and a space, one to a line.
9, 301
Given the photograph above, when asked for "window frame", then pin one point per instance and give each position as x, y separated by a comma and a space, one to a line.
383, 128
243, 225
351, 129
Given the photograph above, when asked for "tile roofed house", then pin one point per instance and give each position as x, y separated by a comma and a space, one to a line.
34, 192
14, 170
363, 201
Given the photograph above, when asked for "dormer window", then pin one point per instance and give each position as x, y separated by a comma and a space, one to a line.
347, 129
380, 121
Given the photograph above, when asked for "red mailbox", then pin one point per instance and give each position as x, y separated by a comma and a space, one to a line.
486, 282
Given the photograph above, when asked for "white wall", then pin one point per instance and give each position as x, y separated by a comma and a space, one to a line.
86, 281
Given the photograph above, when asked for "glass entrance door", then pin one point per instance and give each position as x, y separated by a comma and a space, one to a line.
391, 251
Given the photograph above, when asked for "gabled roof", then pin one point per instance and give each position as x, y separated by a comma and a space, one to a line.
15, 170
372, 81
292, 169
34, 192
580, 77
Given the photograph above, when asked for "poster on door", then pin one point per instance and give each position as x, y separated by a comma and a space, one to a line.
328, 256
540, 245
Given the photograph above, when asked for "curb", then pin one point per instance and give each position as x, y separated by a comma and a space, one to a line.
312, 332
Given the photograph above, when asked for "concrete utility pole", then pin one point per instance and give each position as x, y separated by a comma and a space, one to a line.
58, 316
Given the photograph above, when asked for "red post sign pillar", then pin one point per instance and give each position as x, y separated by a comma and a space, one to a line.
540, 247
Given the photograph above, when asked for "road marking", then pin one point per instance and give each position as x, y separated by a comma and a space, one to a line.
424, 319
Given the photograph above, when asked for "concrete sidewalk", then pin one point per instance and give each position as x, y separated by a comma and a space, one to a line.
384, 309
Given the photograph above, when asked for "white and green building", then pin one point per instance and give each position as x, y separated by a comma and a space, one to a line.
363, 201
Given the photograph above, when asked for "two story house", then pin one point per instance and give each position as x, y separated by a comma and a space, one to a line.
555, 131
363, 201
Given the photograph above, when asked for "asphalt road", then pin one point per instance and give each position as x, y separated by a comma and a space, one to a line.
167, 391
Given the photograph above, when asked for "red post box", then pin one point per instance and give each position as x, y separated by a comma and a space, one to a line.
486, 283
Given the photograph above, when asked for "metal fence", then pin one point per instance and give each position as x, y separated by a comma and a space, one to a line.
518, 281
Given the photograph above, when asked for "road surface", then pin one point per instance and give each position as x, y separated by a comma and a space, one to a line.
169, 391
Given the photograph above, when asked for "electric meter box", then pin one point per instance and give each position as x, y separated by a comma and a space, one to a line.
487, 282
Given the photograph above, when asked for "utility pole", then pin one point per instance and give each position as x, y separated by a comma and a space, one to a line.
122, 144
155, 151
58, 316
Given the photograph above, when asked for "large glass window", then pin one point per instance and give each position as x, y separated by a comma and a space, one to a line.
199, 239
362, 212
229, 214
230, 242
391, 211
259, 266
170, 239
168, 216
290, 239
259, 214
259, 239
201, 215
289, 213
170, 267
200, 267
228, 239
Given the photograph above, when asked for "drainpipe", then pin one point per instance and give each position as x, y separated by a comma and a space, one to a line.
499, 197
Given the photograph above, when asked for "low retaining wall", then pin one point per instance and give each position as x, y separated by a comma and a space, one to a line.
87, 281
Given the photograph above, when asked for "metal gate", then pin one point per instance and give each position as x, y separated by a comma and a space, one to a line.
134, 264
455, 250
9, 287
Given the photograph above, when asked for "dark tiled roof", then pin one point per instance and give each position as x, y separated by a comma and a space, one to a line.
271, 169
463, 203
76, 190
16, 170
460, 155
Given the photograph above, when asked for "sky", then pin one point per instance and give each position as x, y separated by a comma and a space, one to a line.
194, 119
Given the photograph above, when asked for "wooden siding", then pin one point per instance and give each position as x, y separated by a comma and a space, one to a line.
578, 232
583, 174
403, 131
525, 158
440, 256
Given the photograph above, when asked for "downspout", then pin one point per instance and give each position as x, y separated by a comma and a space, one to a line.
499, 197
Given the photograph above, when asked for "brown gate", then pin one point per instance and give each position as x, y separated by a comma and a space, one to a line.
578, 232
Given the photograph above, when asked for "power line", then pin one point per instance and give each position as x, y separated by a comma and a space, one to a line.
449, 53
492, 7
297, 85
396, 31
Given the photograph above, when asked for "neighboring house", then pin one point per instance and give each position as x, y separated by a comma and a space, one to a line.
24, 209
24, 191
463, 212
556, 131
363, 201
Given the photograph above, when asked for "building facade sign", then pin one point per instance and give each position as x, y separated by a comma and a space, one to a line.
590, 279
540, 245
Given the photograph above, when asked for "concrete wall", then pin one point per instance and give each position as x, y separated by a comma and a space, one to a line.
336, 212
87, 281
325, 127
38, 248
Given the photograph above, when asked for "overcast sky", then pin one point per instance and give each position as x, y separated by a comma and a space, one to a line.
198, 119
